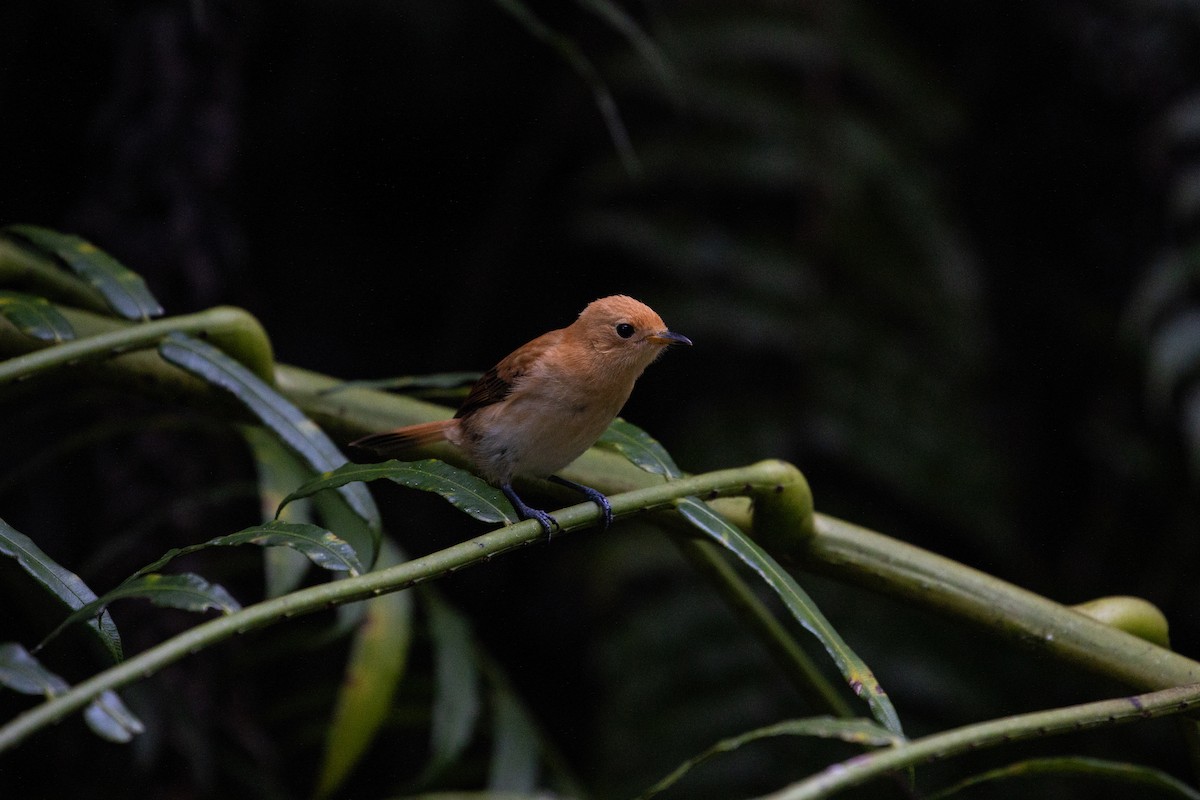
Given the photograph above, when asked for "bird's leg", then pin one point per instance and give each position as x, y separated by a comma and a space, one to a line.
525, 512
606, 512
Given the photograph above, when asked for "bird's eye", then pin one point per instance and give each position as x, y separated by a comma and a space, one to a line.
625, 330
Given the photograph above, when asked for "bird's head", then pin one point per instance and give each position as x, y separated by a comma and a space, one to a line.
626, 331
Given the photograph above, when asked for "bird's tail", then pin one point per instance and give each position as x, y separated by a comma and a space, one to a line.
393, 443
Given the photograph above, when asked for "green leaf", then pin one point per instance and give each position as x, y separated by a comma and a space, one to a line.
22, 672
107, 715
62, 584
321, 547
856, 731
456, 698
187, 592
801, 606
463, 490
516, 750
640, 447
375, 667
123, 289
294, 429
36, 317
278, 471
109, 718
410, 383
1147, 778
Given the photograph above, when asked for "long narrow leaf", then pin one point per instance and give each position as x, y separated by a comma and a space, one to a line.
456, 701
320, 546
856, 731
376, 665
187, 592
36, 317
409, 383
646, 47
62, 584
109, 718
1112, 772
641, 448
123, 290
516, 749
571, 53
107, 715
463, 490
297, 431
805, 611
279, 470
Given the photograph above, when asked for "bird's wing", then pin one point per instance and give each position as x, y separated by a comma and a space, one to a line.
497, 383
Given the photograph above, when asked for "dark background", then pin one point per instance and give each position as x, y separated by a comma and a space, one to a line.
942, 256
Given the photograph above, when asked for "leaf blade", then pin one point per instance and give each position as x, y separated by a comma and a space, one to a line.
61, 583
36, 317
855, 731
107, 715
123, 289
640, 447
460, 488
374, 669
277, 413
857, 674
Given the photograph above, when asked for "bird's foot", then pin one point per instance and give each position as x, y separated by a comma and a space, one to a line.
524, 511
606, 512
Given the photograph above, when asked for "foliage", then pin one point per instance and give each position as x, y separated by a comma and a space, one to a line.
940, 256
380, 632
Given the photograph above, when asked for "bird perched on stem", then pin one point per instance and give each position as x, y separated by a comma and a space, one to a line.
548, 401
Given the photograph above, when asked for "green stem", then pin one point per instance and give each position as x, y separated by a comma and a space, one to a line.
763, 478
850, 553
232, 329
970, 738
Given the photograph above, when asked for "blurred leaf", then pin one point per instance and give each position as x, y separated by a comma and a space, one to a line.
1112, 772
646, 47
35, 317
107, 715
321, 547
1174, 354
109, 718
123, 289
410, 383
374, 669
463, 490
297, 431
62, 584
856, 731
187, 592
22, 672
456, 693
516, 748
278, 470
640, 447
803, 609
570, 52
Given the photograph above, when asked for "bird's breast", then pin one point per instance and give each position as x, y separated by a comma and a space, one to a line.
537, 430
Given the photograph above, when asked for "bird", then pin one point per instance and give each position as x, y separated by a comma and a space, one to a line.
547, 402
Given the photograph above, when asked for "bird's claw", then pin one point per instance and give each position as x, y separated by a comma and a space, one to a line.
524, 511
597, 497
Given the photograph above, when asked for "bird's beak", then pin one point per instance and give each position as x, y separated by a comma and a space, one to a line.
669, 337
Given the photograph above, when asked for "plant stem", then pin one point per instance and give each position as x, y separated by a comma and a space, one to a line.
860, 769
232, 329
850, 553
762, 477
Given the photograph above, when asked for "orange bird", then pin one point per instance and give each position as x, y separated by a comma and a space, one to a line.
548, 401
